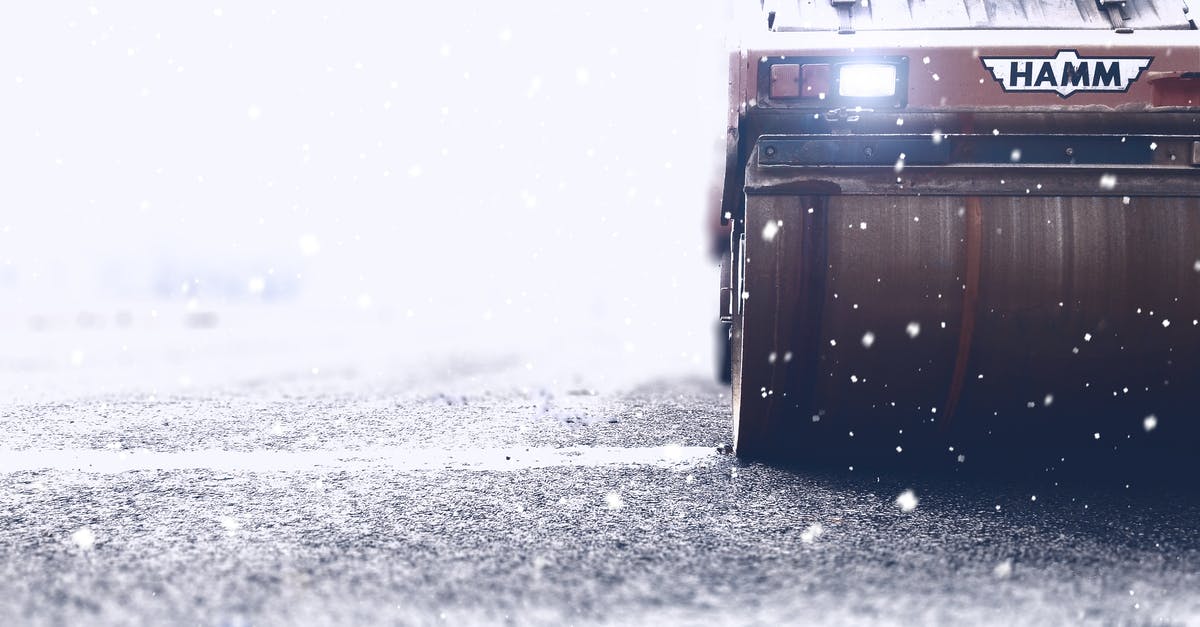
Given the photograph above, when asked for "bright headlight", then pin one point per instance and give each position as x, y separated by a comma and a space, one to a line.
866, 80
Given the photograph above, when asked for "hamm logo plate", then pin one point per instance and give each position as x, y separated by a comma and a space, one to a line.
1066, 72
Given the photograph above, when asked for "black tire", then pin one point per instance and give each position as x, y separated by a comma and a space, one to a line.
724, 352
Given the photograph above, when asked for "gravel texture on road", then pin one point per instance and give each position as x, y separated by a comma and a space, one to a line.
484, 490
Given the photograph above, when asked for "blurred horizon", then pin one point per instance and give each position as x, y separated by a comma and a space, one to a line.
493, 170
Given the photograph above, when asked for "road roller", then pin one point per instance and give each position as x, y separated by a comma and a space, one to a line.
958, 227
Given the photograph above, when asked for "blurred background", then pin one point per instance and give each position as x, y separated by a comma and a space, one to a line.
189, 192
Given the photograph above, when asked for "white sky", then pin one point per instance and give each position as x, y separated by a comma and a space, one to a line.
534, 160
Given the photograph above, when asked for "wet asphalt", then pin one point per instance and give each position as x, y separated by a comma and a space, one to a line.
486, 492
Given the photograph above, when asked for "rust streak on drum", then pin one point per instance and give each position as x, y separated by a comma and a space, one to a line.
974, 245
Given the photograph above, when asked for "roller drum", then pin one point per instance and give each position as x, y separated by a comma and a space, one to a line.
876, 325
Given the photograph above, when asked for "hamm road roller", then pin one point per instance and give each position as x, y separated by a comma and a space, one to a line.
962, 226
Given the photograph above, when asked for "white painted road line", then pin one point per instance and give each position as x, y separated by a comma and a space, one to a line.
398, 459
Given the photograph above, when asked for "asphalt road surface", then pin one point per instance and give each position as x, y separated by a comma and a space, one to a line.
506, 488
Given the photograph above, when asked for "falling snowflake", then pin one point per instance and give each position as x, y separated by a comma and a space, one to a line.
309, 245
770, 229
1149, 423
1108, 181
913, 329
1003, 570
83, 538
813, 532
907, 501
868, 339
614, 501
